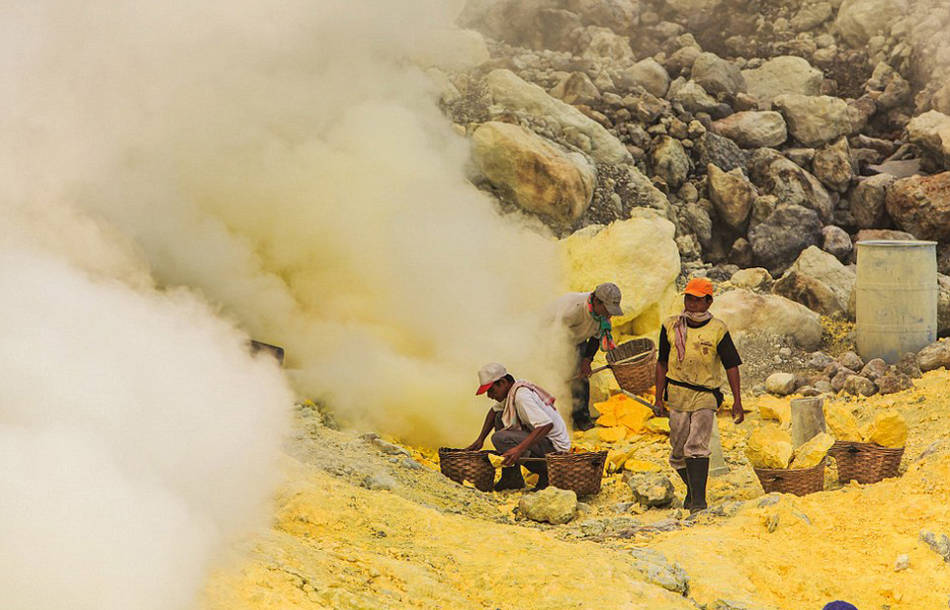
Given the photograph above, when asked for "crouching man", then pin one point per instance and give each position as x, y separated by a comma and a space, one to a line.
526, 424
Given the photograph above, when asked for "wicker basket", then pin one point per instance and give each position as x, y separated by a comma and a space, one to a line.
865, 462
634, 365
792, 481
462, 465
580, 472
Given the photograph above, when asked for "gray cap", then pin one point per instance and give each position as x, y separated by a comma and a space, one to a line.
609, 295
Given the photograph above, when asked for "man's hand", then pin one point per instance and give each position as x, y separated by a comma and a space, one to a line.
476, 446
659, 409
583, 371
511, 456
738, 415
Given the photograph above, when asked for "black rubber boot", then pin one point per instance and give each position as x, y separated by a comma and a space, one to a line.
510, 479
697, 471
683, 475
582, 421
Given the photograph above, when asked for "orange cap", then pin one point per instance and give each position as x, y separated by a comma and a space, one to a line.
699, 287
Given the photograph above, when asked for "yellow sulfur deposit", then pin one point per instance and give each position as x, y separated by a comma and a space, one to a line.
612, 435
774, 408
641, 466
841, 423
813, 452
623, 412
659, 425
616, 459
769, 447
889, 429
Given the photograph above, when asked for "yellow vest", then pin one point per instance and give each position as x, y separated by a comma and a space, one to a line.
700, 365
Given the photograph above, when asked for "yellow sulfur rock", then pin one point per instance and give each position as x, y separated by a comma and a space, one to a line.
889, 429
813, 452
641, 466
608, 420
769, 447
775, 408
635, 416
616, 459
841, 423
612, 435
659, 425
495, 460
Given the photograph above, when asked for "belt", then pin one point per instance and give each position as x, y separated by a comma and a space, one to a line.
716, 392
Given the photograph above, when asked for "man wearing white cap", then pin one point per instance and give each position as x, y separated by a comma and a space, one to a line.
526, 424
586, 318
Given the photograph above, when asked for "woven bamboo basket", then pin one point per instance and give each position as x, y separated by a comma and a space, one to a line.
865, 462
462, 465
580, 472
791, 481
634, 365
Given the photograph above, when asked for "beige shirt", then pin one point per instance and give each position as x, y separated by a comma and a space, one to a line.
570, 310
701, 365
532, 412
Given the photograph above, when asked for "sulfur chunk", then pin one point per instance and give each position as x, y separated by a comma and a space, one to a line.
841, 423
612, 435
659, 425
889, 429
641, 466
608, 420
635, 416
811, 453
772, 407
769, 447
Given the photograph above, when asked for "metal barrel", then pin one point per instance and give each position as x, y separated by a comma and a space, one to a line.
895, 298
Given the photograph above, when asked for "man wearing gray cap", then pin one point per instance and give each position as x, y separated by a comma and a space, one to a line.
586, 318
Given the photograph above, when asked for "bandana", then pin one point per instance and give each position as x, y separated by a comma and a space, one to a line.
679, 329
604, 329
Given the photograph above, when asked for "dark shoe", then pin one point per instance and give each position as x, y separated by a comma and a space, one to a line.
583, 423
682, 472
697, 471
510, 479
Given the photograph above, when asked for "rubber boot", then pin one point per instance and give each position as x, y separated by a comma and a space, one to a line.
582, 420
697, 471
510, 479
683, 475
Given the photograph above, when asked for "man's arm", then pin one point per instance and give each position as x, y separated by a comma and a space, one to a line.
514, 454
487, 427
738, 414
587, 356
662, 366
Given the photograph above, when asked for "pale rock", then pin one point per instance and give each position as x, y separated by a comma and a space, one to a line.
874, 369
682, 59
889, 429
812, 452
656, 569
670, 161
618, 15
860, 20
731, 193
811, 16
753, 129
692, 97
717, 75
648, 74
851, 360
746, 312
689, 8
902, 562
769, 447
779, 239
808, 291
819, 281
837, 242
921, 205
931, 132
551, 505
867, 200
512, 94
832, 165
652, 490
815, 120
754, 278
938, 544
781, 384
600, 43
537, 175
934, 356
576, 88
638, 254
781, 75
857, 385
841, 423
775, 174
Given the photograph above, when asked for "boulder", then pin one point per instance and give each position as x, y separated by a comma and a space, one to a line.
841, 423
782, 75
717, 76
753, 129
603, 44
819, 281
909, 366
867, 200
719, 151
775, 174
857, 385
934, 356
732, 195
550, 505
670, 161
815, 120
931, 133
811, 16
692, 97
638, 254
812, 452
511, 94
851, 361
921, 205
889, 429
576, 88
618, 15
874, 369
655, 569
745, 312
892, 383
533, 172
769, 447
781, 384
837, 242
648, 74
778, 240
832, 165
860, 20
651, 490
754, 278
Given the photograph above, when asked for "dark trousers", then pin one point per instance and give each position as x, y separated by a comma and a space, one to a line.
503, 440
580, 391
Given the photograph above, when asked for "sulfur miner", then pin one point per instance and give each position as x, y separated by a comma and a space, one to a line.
688, 380
586, 318
526, 424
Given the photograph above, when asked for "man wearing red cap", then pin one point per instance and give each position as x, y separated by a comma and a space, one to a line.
687, 382
526, 424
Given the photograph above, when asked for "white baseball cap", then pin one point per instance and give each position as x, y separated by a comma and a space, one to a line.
489, 374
